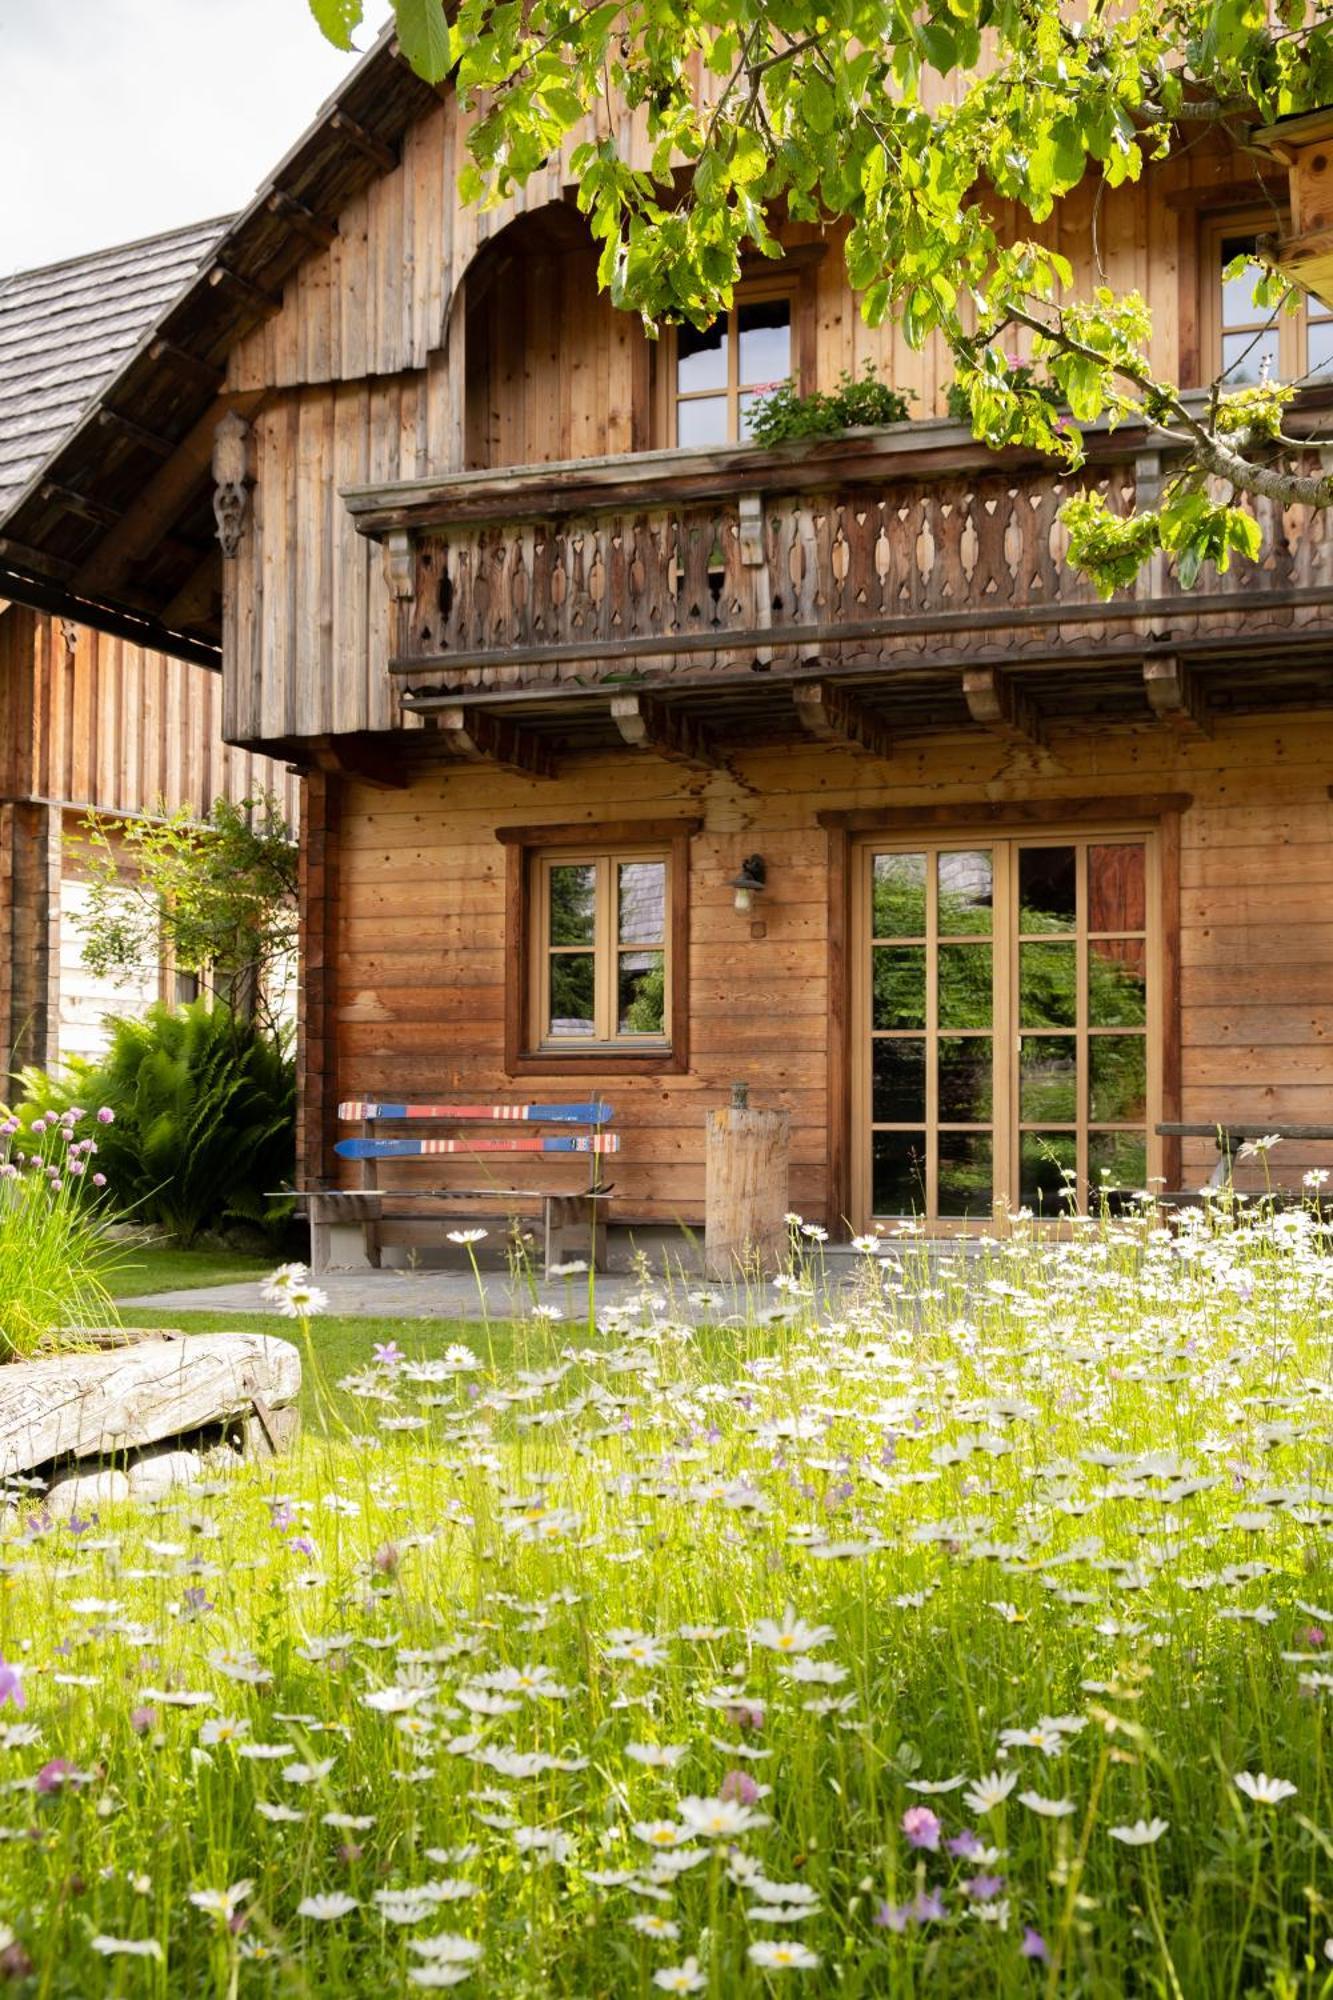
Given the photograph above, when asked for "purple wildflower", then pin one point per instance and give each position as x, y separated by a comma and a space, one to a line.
983, 1888
740, 1787
11, 1685
1034, 1946
922, 1828
964, 1844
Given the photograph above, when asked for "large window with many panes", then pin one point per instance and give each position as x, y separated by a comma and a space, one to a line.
1003, 1020
720, 372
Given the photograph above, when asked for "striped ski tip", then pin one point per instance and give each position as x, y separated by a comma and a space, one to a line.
370, 1109
423, 1149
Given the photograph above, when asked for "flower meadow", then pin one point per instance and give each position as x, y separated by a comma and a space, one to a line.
972, 1635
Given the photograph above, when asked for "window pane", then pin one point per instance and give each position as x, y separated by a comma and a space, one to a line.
642, 902
1117, 1078
765, 335
964, 1174
965, 985
1045, 1158
966, 894
1319, 347
1047, 985
898, 1085
898, 1175
1238, 303
1048, 1080
572, 994
573, 893
966, 1079
703, 421
701, 357
1117, 891
1124, 1155
1250, 357
641, 1002
898, 979
900, 895
1117, 983
1047, 888
749, 403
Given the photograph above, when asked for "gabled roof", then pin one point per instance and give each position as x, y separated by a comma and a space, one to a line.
73, 538
65, 329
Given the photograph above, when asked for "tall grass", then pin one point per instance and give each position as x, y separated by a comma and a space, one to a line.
967, 1638
54, 1261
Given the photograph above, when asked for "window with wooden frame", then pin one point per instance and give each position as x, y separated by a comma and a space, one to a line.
709, 381
597, 946
1007, 1046
1244, 342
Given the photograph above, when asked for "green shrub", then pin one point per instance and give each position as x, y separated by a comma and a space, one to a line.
785, 414
53, 1260
205, 1118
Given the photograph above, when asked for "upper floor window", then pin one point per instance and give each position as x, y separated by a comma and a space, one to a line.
1249, 342
720, 373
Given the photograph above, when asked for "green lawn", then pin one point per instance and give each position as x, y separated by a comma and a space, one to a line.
164, 1267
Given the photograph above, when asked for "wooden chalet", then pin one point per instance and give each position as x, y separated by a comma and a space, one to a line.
638, 760
90, 719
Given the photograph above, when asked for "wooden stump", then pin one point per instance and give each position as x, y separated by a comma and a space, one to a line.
746, 1191
112, 1401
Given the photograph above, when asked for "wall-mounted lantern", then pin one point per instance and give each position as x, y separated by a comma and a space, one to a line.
751, 882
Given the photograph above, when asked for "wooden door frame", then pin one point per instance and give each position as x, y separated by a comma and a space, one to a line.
1163, 811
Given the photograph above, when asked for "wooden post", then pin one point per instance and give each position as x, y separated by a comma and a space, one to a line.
30, 863
746, 1198
316, 1049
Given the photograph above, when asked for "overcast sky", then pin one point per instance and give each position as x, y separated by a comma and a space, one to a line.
122, 117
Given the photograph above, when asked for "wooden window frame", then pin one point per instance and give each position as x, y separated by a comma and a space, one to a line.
1293, 329
1157, 814
527, 848
793, 279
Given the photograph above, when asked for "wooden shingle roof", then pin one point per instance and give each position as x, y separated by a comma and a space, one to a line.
67, 328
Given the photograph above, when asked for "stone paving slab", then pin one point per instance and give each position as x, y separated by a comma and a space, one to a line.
423, 1295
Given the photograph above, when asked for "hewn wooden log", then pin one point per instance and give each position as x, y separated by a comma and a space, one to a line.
746, 1199
78, 1404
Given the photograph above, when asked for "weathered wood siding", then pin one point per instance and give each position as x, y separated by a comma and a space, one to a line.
103, 723
415, 1004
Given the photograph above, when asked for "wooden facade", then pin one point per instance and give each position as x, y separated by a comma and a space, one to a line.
478, 591
92, 723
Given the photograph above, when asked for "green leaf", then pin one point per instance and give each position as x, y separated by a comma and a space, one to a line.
337, 20
424, 35
818, 105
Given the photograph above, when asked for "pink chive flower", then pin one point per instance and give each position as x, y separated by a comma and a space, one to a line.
106, 1116
739, 1788
143, 1721
922, 1828
53, 1775
1314, 1637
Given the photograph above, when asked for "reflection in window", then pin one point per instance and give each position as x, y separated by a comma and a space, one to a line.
723, 370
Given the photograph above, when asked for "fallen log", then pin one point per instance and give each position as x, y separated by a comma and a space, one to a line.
109, 1402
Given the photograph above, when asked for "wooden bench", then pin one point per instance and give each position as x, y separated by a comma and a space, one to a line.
573, 1221
1227, 1137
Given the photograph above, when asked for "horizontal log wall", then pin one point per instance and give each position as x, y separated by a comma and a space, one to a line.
417, 1003
103, 723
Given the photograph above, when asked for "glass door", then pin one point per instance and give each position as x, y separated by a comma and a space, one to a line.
1001, 1015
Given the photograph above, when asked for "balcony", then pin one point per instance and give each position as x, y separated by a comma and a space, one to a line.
896, 564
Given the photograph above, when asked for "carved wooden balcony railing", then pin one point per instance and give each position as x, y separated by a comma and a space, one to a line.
848, 553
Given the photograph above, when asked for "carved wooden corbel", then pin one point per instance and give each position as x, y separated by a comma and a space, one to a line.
230, 485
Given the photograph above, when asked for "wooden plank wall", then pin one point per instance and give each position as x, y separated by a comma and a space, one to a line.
104, 723
420, 947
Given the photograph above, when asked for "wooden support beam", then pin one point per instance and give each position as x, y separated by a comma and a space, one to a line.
71, 502
365, 142
315, 228
36, 561
483, 738
185, 363
994, 702
150, 440
366, 758
1174, 695
30, 872
646, 723
254, 295
833, 714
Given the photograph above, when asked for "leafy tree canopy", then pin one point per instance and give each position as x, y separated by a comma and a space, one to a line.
834, 112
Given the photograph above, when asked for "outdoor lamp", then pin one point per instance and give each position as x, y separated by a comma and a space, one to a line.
750, 882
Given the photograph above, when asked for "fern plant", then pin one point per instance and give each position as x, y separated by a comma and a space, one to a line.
205, 1114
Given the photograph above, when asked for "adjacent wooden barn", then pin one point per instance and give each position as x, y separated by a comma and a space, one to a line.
639, 760
90, 719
